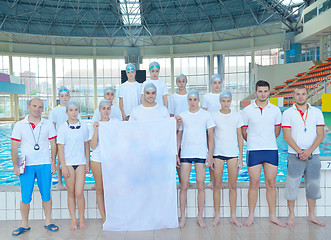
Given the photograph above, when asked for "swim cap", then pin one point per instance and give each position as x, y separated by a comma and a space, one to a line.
193, 93
216, 77
154, 65
181, 75
225, 93
149, 86
130, 67
108, 89
102, 102
70, 104
63, 90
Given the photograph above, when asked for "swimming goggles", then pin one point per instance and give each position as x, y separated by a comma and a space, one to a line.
73, 127
130, 69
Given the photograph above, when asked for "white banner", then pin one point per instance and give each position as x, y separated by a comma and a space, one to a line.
139, 175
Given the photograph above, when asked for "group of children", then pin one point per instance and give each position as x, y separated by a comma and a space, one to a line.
206, 136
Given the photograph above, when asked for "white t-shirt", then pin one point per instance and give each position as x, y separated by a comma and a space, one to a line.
304, 139
115, 112
260, 125
226, 139
95, 156
178, 104
131, 94
73, 141
142, 113
161, 89
194, 137
211, 101
59, 115
23, 133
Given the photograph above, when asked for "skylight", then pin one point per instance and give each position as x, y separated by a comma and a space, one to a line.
130, 11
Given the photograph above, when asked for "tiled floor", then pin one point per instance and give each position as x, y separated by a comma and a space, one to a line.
261, 229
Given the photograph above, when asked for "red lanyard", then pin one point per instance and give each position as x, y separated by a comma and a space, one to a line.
302, 114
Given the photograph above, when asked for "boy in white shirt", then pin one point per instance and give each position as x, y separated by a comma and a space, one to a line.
129, 92
161, 97
211, 101
228, 137
149, 109
178, 101
109, 95
192, 140
58, 116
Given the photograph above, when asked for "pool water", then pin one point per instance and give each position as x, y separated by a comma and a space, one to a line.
7, 177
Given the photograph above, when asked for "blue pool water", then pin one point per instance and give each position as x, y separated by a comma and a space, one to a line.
7, 177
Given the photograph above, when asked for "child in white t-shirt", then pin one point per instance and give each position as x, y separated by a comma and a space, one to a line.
74, 154
228, 137
211, 101
192, 140
161, 97
178, 101
109, 95
129, 92
58, 116
104, 108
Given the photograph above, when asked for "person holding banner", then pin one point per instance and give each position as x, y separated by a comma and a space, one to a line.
129, 92
74, 154
149, 109
192, 139
34, 134
109, 95
228, 137
104, 108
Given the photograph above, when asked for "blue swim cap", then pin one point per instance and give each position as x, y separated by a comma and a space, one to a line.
130, 67
181, 75
154, 65
70, 104
216, 77
102, 102
225, 93
149, 86
108, 89
63, 90
193, 93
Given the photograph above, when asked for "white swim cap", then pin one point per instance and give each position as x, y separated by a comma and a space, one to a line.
108, 89
149, 86
181, 75
130, 67
216, 77
193, 93
63, 90
225, 93
154, 65
70, 104
103, 101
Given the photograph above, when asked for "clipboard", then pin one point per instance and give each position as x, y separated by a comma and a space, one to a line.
21, 162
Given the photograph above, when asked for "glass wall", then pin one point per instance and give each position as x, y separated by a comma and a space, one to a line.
4, 99
4, 64
196, 70
77, 76
36, 74
268, 57
236, 76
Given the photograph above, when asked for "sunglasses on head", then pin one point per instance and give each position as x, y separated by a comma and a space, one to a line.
130, 69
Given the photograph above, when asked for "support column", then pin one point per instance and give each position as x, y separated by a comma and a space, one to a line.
17, 108
95, 85
211, 69
54, 82
252, 76
172, 75
12, 107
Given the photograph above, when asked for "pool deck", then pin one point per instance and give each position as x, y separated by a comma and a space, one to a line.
260, 230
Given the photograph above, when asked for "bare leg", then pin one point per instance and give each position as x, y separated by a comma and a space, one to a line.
254, 183
200, 169
291, 218
270, 174
210, 185
185, 170
59, 176
70, 184
218, 173
25, 209
97, 174
48, 212
79, 192
311, 215
233, 176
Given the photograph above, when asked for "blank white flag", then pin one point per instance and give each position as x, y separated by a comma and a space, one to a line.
139, 174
